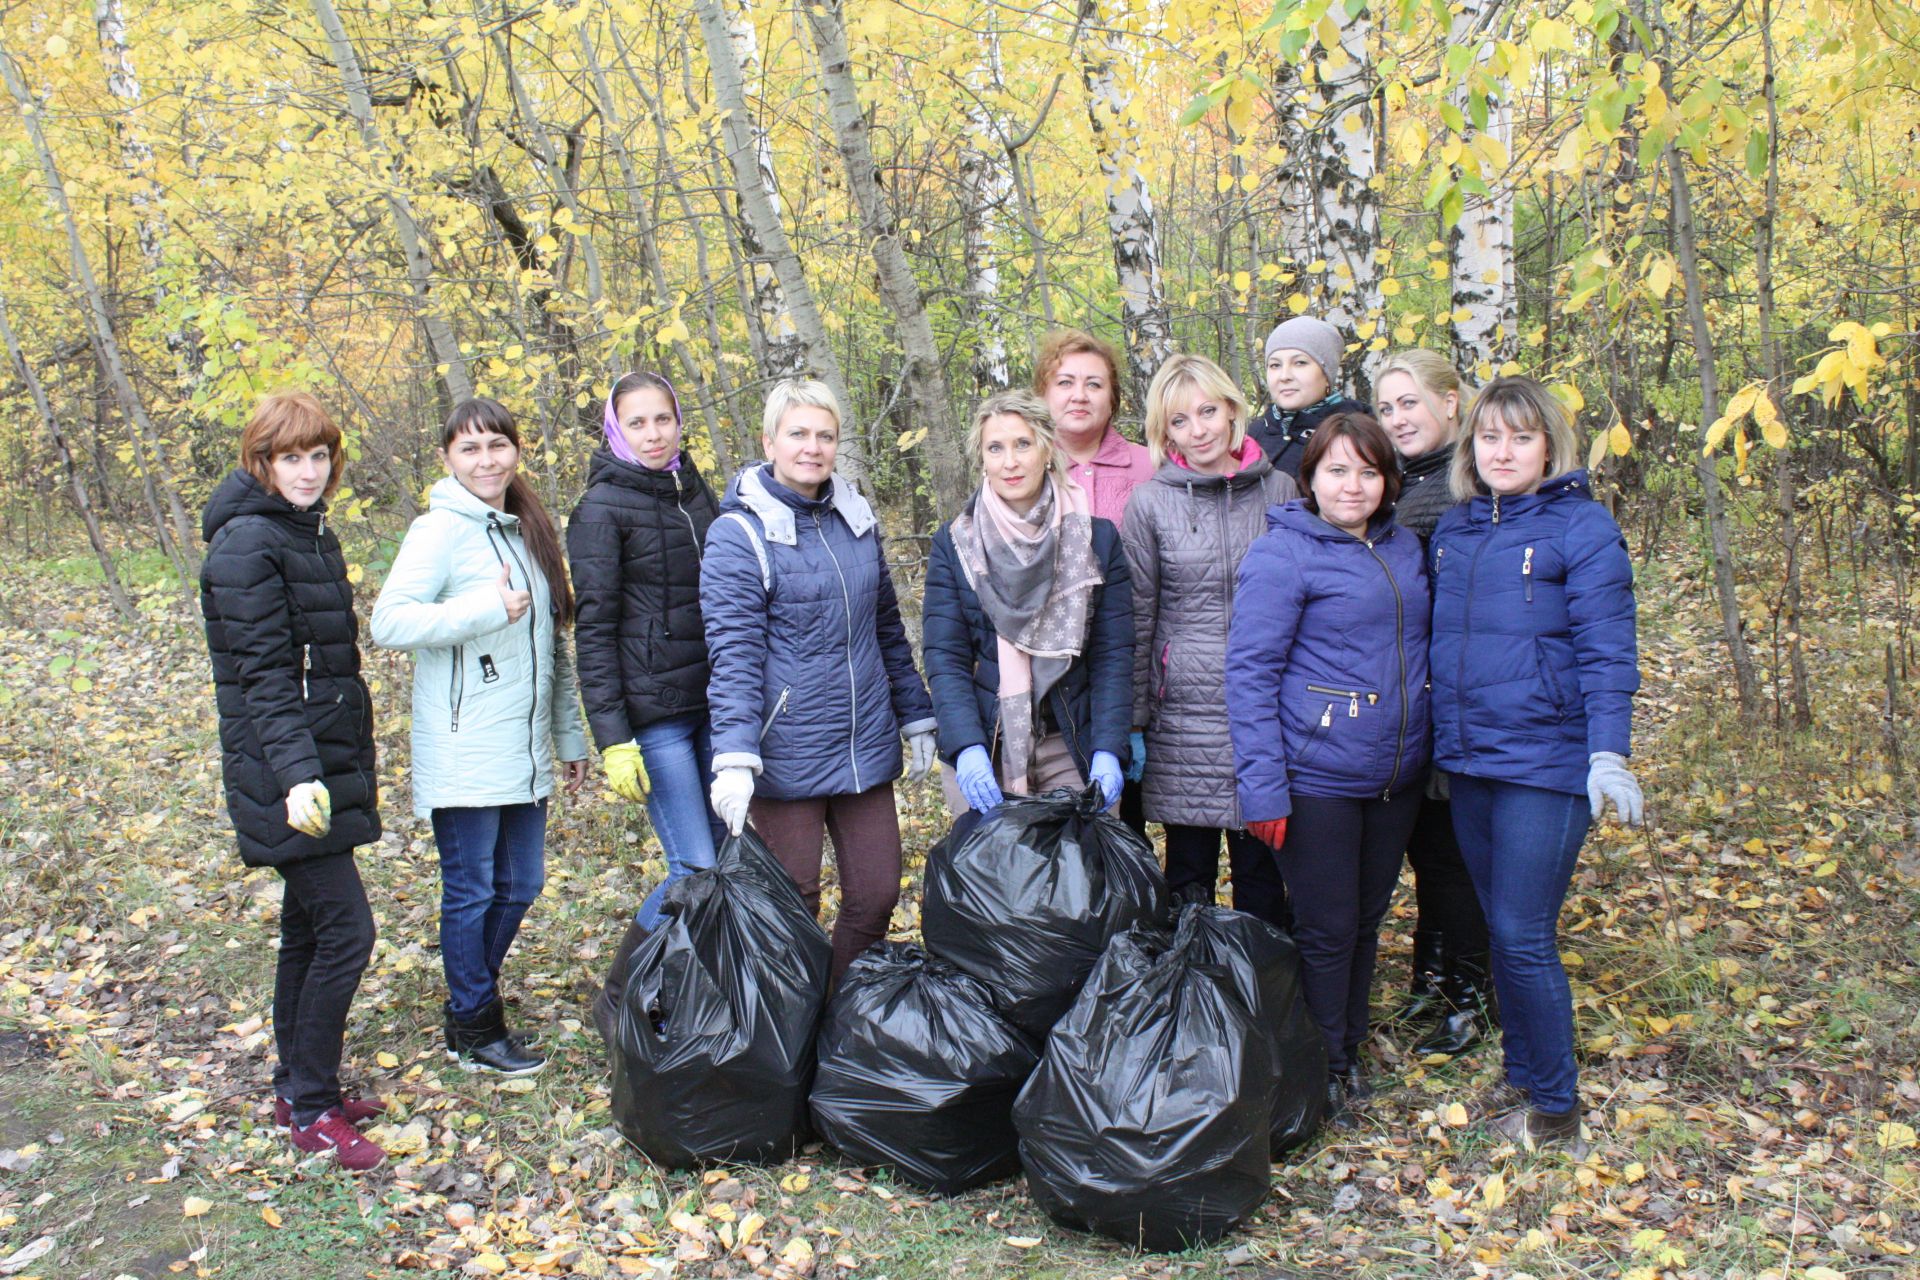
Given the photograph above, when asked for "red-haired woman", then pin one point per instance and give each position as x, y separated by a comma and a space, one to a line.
479, 593
296, 745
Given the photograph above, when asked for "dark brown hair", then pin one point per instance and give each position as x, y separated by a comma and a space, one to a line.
483, 417
1061, 343
1369, 440
288, 422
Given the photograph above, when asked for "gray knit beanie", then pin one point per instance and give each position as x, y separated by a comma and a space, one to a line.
1315, 337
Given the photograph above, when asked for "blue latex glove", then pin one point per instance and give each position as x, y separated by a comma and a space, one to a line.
1106, 772
1137, 749
974, 771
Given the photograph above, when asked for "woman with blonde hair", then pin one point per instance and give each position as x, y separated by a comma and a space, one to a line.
1185, 534
1535, 665
1421, 401
1027, 623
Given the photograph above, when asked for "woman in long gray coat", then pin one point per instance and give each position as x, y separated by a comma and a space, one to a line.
1185, 532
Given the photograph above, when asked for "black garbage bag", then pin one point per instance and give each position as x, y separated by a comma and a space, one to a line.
713, 1050
918, 1072
1147, 1119
1264, 967
1029, 898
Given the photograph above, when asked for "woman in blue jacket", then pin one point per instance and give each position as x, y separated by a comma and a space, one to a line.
1327, 705
813, 682
1027, 626
1534, 671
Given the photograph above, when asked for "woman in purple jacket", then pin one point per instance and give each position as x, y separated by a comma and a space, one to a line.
1327, 703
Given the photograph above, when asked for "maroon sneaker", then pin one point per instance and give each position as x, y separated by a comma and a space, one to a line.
356, 1110
331, 1132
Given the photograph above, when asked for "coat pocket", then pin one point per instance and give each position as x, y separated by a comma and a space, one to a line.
1557, 678
779, 705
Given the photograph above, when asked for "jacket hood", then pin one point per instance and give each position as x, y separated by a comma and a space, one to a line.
449, 494
1249, 476
604, 468
1295, 518
1571, 485
754, 490
242, 495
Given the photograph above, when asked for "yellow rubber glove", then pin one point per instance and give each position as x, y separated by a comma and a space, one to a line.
310, 809
626, 773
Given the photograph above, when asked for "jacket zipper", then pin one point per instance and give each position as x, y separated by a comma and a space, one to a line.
853, 689
533, 656
1400, 644
1526, 571
679, 489
456, 684
1466, 631
1352, 696
306, 664
779, 705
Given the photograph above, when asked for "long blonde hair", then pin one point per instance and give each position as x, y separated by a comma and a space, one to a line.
1198, 373
1433, 377
1520, 403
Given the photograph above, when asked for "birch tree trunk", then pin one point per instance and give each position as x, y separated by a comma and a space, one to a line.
986, 183
1718, 532
1130, 218
926, 383
786, 353
1326, 110
757, 201
455, 383
146, 440
76, 483
1480, 245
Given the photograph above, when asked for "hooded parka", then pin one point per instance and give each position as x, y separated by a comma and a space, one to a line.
1327, 664
1185, 535
634, 544
286, 672
493, 701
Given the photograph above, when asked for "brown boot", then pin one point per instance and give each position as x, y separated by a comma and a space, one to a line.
606, 1005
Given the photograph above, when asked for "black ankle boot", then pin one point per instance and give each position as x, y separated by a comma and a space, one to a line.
1470, 1008
606, 1005
521, 1039
1355, 1080
1336, 1115
484, 1045
1426, 996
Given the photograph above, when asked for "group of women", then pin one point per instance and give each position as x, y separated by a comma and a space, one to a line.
1322, 636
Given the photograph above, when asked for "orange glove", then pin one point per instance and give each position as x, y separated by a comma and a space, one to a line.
1272, 833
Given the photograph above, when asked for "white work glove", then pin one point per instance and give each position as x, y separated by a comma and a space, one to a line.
731, 793
920, 755
1608, 778
310, 809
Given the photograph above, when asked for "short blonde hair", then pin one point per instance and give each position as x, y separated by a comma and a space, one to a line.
1522, 404
797, 393
1030, 409
1195, 373
289, 422
1433, 377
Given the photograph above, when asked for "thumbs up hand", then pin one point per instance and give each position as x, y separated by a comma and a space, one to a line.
517, 602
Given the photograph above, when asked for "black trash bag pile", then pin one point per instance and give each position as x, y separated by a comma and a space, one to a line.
1029, 898
918, 1072
1264, 967
1148, 1117
713, 1051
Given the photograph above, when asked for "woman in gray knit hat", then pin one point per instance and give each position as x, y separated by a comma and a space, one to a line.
1303, 377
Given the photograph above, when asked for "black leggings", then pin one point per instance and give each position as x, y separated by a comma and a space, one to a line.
1193, 857
326, 936
1340, 860
1442, 889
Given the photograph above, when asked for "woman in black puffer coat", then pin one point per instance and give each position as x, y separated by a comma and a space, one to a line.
634, 544
296, 741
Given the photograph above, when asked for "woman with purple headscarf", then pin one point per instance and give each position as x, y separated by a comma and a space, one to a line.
635, 543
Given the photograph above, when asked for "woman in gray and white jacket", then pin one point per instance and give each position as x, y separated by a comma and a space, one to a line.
1185, 533
478, 593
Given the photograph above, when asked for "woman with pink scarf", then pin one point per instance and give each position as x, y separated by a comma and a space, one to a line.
1027, 623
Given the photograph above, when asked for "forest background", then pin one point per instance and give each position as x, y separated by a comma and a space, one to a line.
1699, 222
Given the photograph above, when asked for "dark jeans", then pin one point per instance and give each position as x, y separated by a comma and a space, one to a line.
1442, 889
1521, 844
492, 867
866, 854
326, 936
1340, 861
1193, 857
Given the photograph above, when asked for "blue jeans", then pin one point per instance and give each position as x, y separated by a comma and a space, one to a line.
676, 753
492, 867
1520, 844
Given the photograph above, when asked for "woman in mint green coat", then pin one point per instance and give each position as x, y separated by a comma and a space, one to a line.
479, 594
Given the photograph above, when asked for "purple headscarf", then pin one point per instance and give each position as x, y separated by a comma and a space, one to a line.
610, 421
